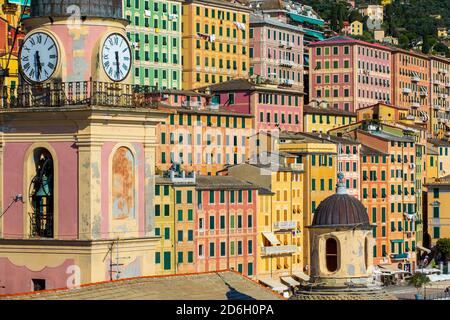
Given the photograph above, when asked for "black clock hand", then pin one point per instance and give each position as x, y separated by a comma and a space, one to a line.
117, 63
38, 65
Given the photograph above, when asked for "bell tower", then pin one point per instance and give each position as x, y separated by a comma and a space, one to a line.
75, 41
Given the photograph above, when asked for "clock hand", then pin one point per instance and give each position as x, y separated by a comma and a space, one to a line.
38, 65
117, 63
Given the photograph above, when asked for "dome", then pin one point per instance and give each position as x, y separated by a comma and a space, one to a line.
89, 8
341, 210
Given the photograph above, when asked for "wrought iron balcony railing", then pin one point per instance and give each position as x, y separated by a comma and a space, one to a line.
63, 94
41, 225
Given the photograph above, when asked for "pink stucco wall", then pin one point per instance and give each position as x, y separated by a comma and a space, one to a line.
11, 282
13, 184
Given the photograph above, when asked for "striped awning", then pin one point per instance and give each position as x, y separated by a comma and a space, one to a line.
290, 281
271, 237
274, 284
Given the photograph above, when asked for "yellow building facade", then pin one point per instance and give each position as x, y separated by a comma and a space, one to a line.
324, 119
215, 42
438, 215
356, 28
318, 158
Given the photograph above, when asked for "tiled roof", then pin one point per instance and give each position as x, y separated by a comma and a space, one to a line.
439, 143
222, 182
259, 19
349, 40
365, 150
246, 85
332, 138
444, 181
225, 285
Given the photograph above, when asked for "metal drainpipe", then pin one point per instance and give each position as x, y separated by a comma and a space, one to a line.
174, 233
228, 230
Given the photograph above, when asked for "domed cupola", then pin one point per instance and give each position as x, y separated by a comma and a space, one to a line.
342, 210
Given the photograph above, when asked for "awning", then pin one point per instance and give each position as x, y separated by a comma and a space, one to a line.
397, 241
271, 237
301, 276
274, 284
290, 281
423, 249
391, 269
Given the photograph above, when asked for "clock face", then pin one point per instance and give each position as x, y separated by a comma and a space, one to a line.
38, 57
116, 57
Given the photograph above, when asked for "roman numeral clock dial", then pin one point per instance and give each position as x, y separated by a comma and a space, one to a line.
116, 57
38, 57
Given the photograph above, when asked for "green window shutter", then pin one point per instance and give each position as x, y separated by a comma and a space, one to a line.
180, 215
239, 248
239, 221
180, 257
211, 196
435, 212
211, 222
250, 269
178, 197
167, 260
157, 232
232, 222
190, 215
231, 196
157, 257
199, 197
374, 251
157, 190
436, 232
250, 196
190, 257
180, 235
232, 248
222, 222
166, 190
157, 210
222, 196
222, 249
167, 233
250, 247
190, 235
189, 196
374, 215
211, 249
250, 221
240, 196
166, 210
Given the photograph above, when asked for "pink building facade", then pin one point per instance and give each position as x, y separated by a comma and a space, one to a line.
350, 74
272, 107
276, 51
225, 234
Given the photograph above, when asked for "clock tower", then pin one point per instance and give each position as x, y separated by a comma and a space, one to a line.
75, 41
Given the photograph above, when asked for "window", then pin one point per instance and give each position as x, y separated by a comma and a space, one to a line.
38, 284
211, 249
331, 254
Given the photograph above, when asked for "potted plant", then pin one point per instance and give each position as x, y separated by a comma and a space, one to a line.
418, 280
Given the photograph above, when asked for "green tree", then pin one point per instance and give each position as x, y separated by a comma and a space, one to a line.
418, 280
443, 246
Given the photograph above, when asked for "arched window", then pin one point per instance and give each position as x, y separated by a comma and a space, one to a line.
331, 254
123, 184
42, 195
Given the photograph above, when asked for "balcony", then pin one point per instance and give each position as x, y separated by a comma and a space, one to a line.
406, 90
277, 250
297, 166
286, 63
436, 106
285, 225
423, 93
415, 78
59, 94
282, 43
286, 82
399, 256
415, 105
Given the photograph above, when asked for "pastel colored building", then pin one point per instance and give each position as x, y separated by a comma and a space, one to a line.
200, 135
436, 213
279, 220
356, 28
397, 218
271, 106
175, 209
350, 74
318, 157
155, 35
411, 84
443, 148
322, 119
440, 97
276, 51
225, 233
215, 42
374, 187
